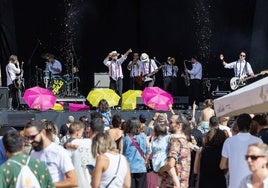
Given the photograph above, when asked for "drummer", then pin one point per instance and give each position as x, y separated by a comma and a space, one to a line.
53, 65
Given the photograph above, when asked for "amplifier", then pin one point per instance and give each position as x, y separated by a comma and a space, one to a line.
220, 93
4, 98
101, 80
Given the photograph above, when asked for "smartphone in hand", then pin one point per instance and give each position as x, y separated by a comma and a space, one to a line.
90, 166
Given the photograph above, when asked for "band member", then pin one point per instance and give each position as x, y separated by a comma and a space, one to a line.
53, 65
12, 70
170, 76
241, 67
148, 69
115, 71
195, 88
133, 67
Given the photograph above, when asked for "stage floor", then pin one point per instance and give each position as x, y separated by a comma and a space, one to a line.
18, 119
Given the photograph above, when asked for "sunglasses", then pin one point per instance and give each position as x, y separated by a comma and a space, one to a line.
242, 55
31, 137
253, 157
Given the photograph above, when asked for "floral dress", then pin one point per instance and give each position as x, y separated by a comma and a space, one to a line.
181, 152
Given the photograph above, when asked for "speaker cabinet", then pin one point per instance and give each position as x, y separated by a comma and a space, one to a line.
4, 98
101, 80
180, 102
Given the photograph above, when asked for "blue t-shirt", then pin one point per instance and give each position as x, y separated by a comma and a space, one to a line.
3, 157
136, 161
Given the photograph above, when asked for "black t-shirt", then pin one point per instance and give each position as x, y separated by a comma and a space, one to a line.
263, 134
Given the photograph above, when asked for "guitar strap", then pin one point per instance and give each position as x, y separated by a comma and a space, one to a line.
150, 63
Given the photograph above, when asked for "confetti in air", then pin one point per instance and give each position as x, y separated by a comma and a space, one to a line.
70, 31
203, 30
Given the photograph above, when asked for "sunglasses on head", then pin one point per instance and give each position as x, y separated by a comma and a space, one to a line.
253, 157
31, 137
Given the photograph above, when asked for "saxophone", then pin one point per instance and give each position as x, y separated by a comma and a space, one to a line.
185, 75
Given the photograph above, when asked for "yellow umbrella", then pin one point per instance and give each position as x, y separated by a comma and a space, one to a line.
129, 99
57, 107
95, 95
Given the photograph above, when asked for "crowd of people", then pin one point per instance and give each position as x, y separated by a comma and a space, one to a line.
160, 151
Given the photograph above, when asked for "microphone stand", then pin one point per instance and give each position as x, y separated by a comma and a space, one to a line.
30, 60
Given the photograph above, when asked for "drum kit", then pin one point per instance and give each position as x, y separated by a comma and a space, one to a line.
65, 85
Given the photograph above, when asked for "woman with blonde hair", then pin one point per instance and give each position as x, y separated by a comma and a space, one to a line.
206, 114
257, 159
111, 169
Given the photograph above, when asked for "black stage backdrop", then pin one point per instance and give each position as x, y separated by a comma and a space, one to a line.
83, 32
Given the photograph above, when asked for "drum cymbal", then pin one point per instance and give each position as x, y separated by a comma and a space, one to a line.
74, 70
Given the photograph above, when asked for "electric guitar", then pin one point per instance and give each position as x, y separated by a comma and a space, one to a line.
147, 77
237, 82
19, 80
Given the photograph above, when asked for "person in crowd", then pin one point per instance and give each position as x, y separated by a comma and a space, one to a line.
148, 69
53, 65
207, 159
134, 68
96, 126
241, 67
56, 157
179, 150
9, 171
3, 131
116, 132
112, 168
224, 124
134, 148
259, 121
257, 159
170, 71
158, 148
197, 136
206, 114
115, 71
144, 127
234, 148
80, 152
105, 111
12, 70
51, 126
64, 129
195, 88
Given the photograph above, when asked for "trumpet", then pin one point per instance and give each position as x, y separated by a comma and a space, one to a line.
171, 60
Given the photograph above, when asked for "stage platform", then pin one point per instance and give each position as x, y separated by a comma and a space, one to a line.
18, 119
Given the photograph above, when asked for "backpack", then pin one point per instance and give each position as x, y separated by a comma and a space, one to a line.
26, 177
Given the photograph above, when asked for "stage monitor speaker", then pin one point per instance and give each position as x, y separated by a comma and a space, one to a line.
101, 80
4, 98
140, 104
180, 102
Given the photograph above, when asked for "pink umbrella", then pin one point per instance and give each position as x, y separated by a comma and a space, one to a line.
78, 107
39, 98
156, 98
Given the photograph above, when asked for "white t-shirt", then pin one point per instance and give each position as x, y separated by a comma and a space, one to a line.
235, 149
11, 71
57, 160
226, 128
81, 157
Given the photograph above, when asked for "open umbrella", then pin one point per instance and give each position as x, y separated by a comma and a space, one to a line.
156, 98
95, 95
252, 98
39, 98
129, 99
